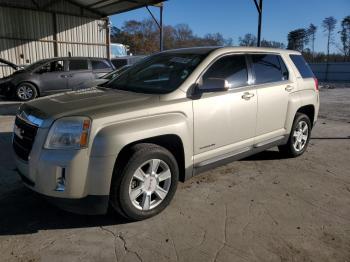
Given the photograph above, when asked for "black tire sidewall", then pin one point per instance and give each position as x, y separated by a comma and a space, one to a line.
35, 93
136, 160
299, 117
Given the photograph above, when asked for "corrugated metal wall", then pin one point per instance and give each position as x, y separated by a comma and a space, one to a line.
336, 71
29, 35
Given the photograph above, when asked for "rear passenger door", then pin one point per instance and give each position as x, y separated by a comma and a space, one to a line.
271, 80
100, 67
78, 71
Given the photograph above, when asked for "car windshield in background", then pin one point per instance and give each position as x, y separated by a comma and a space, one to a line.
158, 74
35, 65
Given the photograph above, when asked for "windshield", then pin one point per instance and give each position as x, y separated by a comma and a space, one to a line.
118, 50
158, 74
115, 73
35, 65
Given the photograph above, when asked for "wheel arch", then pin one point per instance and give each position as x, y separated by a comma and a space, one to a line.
171, 142
32, 83
308, 110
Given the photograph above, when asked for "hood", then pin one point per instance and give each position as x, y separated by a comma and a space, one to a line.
12, 65
93, 102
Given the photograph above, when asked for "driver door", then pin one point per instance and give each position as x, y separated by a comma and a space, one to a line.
52, 77
224, 121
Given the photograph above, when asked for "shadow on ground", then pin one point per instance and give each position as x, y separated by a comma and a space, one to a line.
25, 212
8, 106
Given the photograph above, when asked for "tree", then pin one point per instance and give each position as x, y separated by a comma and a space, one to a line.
143, 36
297, 39
273, 44
345, 35
311, 31
328, 25
247, 40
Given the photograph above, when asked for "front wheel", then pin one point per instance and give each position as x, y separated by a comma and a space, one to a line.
299, 137
26, 92
146, 183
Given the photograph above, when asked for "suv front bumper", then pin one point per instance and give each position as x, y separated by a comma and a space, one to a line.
86, 186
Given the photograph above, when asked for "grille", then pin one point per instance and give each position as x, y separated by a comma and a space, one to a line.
24, 138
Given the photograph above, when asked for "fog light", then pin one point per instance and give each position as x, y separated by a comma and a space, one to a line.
61, 181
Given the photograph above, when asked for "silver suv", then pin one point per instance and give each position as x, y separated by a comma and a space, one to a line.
165, 119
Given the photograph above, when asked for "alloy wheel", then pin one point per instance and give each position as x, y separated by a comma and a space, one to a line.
150, 184
25, 92
300, 136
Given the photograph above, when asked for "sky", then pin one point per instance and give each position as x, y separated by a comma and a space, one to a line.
234, 18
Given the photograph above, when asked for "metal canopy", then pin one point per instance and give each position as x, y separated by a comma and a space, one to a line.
110, 7
89, 8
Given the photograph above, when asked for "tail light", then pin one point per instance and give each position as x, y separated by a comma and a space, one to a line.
316, 83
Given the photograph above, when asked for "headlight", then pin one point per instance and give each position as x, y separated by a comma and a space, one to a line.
69, 133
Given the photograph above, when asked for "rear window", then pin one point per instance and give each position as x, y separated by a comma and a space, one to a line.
268, 68
303, 68
78, 65
99, 64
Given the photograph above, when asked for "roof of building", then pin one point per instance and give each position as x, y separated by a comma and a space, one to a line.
89, 8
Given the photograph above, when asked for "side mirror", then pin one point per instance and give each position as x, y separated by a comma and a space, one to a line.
214, 85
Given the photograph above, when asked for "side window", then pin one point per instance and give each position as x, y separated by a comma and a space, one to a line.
78, 65
99, 64
53, 66
231, 68
267, 68
303, 68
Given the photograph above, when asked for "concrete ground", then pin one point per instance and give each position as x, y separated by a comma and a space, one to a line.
264, 208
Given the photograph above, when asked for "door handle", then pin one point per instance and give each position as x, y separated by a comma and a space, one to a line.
64, 76
247, 96
289, 88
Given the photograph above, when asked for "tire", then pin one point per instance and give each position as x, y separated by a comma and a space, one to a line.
26, 91
135, 199
299, 137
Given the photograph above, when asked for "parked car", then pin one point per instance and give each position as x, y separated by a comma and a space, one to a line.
51, 76
165, 119
101, 80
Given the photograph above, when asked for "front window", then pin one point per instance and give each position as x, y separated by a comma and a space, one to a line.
158, 74
231, 68
53, 66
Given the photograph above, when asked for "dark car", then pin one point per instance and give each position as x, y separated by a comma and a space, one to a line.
51, 76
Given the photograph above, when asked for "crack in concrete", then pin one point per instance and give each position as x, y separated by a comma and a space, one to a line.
173, 243
114, 241
248, 223
225, 236
121, 237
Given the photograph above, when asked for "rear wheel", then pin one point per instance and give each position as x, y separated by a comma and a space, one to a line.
299, 137
26, 92
147, 182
